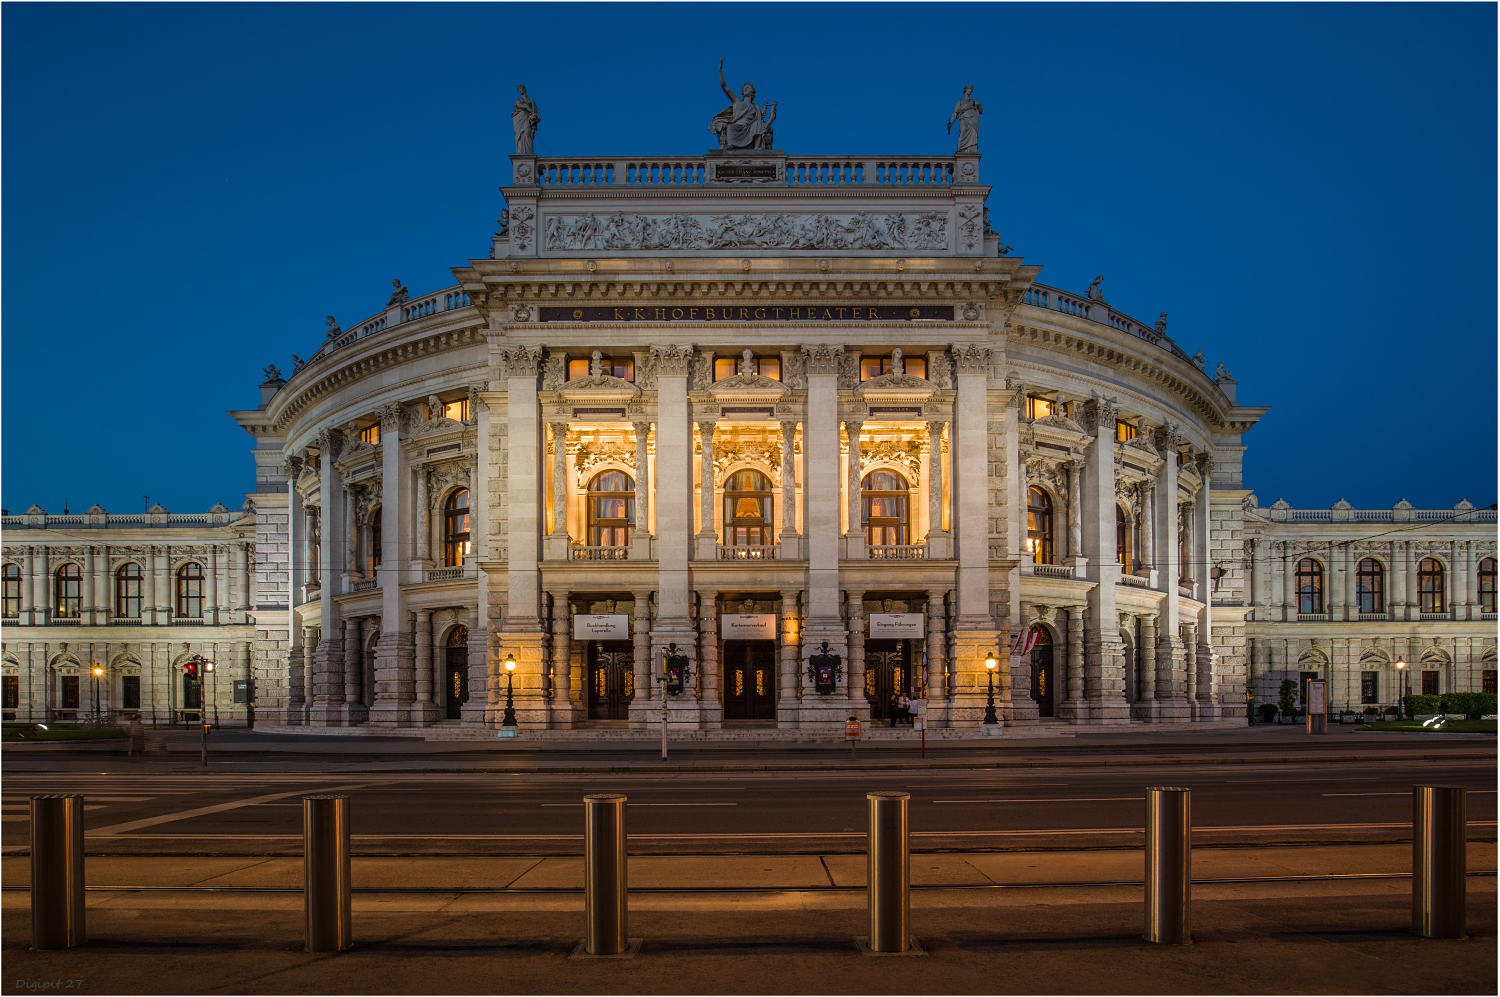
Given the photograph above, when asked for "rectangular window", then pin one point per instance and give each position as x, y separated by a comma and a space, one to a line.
1430, 684
872, 367
13, 691
1369, 687
764, 366
623, 369
1125, 431
192, 694
1182, 457
457, 411
1040, 408
70, 692
370, 434
13, 591
130, 692
1487, 681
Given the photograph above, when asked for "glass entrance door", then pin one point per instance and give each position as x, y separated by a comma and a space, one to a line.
611, 679
887, 675
1042, 676
749, 680
456, 673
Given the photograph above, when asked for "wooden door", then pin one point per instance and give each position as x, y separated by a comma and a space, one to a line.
887, 675
611, 679
749, 680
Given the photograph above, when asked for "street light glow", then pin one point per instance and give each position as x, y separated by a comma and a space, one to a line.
510, 662
990, 662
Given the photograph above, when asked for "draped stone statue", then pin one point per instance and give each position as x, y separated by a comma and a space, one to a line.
524, 118
966, 112
742, 125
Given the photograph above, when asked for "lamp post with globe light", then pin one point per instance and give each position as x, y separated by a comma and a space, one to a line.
98, 672
510, 705
990, 664
1401, 694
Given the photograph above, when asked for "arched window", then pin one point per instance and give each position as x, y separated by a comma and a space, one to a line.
128, 582
1039, 527
1486, 585
69, 592
12, 596
883, 507
611, 509
1369, 582
1309, 579
1430, 585
1123, 549
747, 509
456, 529
190, 591
377, 518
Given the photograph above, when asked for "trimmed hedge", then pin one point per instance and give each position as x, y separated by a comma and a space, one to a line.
1472, 705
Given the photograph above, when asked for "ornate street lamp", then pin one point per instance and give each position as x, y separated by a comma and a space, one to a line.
1401, 682
990, 664
510, 704
97, 673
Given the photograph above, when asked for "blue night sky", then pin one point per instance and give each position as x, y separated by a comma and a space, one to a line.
1309, 190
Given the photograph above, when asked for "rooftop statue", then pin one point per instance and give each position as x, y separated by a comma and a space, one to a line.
966, 112
742, 125
524, 118
1093, 292
1161, 324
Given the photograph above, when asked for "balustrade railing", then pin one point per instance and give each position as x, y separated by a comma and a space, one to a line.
1135, 581
362, 584
581, 553
445, 574
1048, 570
750, 552
896, 552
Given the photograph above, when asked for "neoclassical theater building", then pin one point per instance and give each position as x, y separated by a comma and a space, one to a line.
745, 410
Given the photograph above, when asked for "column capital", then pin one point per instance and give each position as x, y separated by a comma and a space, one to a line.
520, 361
972, 358
672, 359
641, 427
822, 358
330, 443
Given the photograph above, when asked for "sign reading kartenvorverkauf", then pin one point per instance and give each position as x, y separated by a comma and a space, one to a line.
897, 625
748, 626
600, 627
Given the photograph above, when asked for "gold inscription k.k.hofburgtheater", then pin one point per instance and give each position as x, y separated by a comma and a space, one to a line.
752, 313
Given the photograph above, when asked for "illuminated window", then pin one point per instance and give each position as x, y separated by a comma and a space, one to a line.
1039, 526
1430, 585
1369, 687
870, 367
764, 366
1183, 457
1040, 408
747, 509
1487, 680
1486, 586
370, 434
883, 507
1123, 548
611, 509
457, 411
69, 592
624, 369
1309, 579
12, 591
128, 583
456, 528
1125, 431
190, 591
377, 518
1369, 586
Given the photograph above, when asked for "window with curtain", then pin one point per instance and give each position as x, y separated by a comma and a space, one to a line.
456, 546
1039, 527
1123, 549
1486, 585
68, 592
1309, 580
1430, 585
611, 509
128, 586
1369, 586
12, 591
190, 580
883, 507
747, 509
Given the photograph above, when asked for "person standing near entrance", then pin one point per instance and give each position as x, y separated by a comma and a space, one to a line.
902, 713
137, 734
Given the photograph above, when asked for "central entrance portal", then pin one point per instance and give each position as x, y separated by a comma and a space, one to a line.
887, 675
456, 673
611, 679
1043, 679
749, 680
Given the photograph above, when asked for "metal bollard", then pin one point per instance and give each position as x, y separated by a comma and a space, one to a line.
57, 912
1169, 865
888, 873
325, 870
604, 882
1439, 860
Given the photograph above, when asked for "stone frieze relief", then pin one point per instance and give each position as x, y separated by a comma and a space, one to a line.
767, 230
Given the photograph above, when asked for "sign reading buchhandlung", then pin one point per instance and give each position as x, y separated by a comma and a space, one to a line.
599, 627
748, 626
897, 625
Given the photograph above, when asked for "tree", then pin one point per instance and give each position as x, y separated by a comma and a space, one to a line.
1289, 698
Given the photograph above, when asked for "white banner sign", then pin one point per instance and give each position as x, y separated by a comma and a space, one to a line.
591, 627
898, 625
748, 626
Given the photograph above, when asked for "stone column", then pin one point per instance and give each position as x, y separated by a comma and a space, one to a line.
423, 520
791, 658
395, 691
1277, 558
211, 586
88, 602
563, 712
1203, 703
1172, 703
29, 599
426, 710
856, 618
1075, 514
309, 644
707, 538
1190, 659
240, 611
646, 693
854, 538
522, 634
1104, 663
711, 707
1074, 706
820, 526
1146, 556
935, 479
976, 633
674, 517
937, 666
790, 538
354, 666
161, 570
640, 538
329, 693
559, 478
1150, 678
